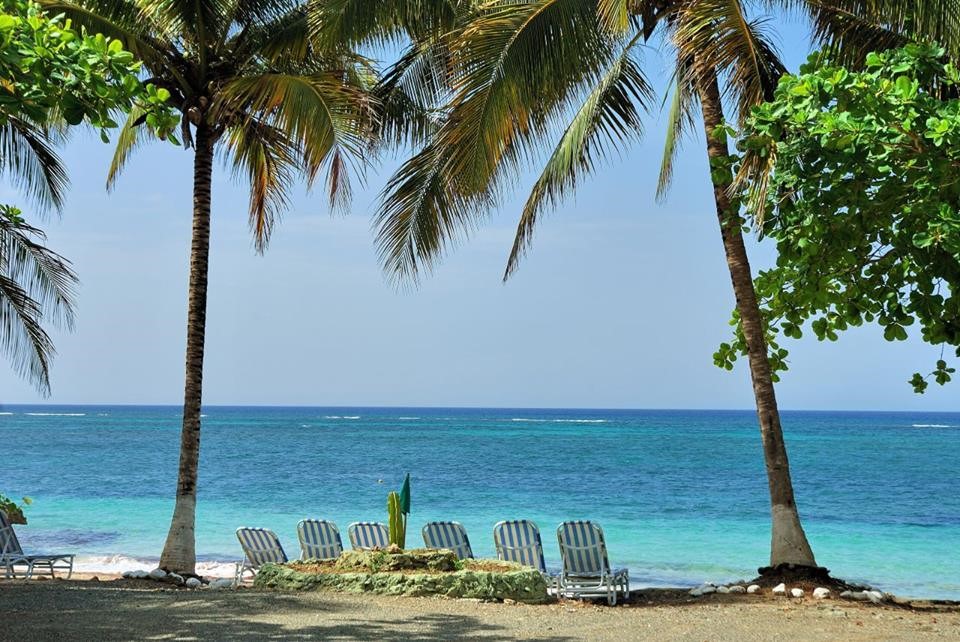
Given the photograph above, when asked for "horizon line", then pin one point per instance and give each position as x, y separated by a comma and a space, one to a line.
459, 407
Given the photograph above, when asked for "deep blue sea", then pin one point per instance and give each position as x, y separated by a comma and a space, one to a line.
681, 495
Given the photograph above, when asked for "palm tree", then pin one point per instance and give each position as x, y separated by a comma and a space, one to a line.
250, 86
513, 70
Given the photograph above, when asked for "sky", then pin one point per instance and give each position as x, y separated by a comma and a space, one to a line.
620, 304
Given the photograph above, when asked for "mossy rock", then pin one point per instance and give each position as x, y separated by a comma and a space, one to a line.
375, 561
514, 582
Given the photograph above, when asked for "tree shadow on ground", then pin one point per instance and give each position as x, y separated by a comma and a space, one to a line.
57, 611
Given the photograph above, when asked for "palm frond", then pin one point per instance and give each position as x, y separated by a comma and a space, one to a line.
323, 117
680, 119
36, 285
515, 67
850, 29
267, 157
28, 158
129, 139
356, 23
408, 94
422, 213
723, 40
608, 120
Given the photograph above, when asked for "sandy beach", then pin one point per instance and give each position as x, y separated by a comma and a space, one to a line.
124, 610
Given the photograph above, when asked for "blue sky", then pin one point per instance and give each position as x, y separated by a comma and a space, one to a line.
621, 303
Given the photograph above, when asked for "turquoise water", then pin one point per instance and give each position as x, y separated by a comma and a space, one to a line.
681, 495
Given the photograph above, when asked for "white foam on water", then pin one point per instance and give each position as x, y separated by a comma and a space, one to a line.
340, 417
6, 413
561, 421
119, 564
408, 418
932, 426
56, 414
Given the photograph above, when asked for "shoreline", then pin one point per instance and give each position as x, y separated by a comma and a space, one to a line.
125, 609
109, 567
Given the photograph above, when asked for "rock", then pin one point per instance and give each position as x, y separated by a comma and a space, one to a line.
139, 575
796, 592
855, 595
819, 593
222, 583
473, 580
157, 574
723, 589
780, 589
703, 589
736, 588
509, 601
874, 596
173, 578
753, 588
193, 583
127, 575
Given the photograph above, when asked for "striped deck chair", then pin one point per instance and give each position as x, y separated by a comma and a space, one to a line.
586, 568
448, 535
17, 564
260, 546
319, 540
518, 540
367, 535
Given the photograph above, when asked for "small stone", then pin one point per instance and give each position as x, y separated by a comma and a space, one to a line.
173, 578
796, 592
703, 589
736, 588
753, 588
509, 601
157, 574
819, 593
723, 589
780, 589
193, 583
222, 583
127, 575
874, 596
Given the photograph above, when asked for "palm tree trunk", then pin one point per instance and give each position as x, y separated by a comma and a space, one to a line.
179, 552
788, 541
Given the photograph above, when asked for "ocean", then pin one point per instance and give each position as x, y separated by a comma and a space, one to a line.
681, 495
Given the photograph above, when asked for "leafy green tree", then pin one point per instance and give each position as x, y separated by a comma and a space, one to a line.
863, 201
499, 77
250, 86
50, 75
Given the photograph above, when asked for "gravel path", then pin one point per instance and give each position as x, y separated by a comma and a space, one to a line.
115, 611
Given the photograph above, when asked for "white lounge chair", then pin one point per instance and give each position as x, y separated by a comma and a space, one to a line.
448, 535
260, 546
586, 569
518, 540
367, 535
319, 540
17, 564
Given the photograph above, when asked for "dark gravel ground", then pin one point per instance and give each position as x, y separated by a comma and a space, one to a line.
131, 610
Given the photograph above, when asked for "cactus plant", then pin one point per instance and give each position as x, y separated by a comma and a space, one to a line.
396, 521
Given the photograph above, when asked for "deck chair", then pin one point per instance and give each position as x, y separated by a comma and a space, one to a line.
17, 564
586, 569
518, 540
260, 546
319, 540
448, 535
367, 535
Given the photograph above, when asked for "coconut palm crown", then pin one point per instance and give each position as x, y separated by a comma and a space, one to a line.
252, 88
